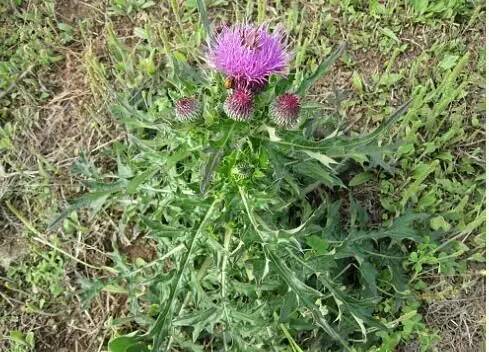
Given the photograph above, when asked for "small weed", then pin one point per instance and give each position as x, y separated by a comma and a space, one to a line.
20, 342
127, 7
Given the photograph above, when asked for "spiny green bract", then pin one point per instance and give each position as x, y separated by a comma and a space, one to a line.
241, 172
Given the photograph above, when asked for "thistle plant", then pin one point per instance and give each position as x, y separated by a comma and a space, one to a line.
247, 214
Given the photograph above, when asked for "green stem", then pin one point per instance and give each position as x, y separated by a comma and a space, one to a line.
293, 344
227, 240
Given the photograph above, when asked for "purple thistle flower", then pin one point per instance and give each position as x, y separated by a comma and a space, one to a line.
187, 109
239, 105
285, 110
248, 54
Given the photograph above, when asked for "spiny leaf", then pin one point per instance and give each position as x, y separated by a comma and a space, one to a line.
199, 320
305, 293
137, 181
322, 158
94, 199
210, 166
337, 147
401, 228
161, 327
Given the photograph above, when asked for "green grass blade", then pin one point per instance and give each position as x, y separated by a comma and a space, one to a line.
321, 70
204, 18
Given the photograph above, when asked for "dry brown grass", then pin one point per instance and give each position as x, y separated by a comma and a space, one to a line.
53, 136
460, 320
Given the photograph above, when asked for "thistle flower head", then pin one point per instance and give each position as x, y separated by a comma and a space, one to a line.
187, 109
239, 105
248, 54
241, 172
285, 110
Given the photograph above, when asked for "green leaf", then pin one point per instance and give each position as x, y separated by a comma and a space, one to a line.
94, 200
161, 327
318, 244
289, 306
18, 337
199, 320
406, 148
305, 293
141, 33
138, 347
211, 164
137, 181
362, 327
420, 5
272, 134
369, 275
160, 229
448, 61
323, 159
439, 223
317, 172
389, 33
127, 343
345, 147
361, 178
357, 82
321, 70
147, 4
386, 124
115, 289
261, 269
401, 228
423, 170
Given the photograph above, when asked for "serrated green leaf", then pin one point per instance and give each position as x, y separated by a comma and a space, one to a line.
322, 158
94, 200
137, 181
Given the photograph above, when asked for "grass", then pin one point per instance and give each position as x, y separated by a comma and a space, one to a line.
84, 93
